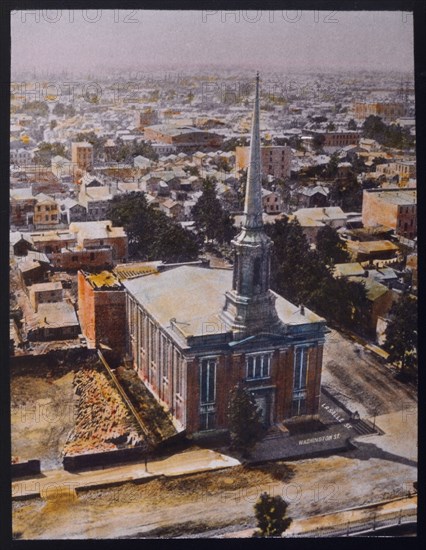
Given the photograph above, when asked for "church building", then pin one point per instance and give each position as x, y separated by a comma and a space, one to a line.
195, 332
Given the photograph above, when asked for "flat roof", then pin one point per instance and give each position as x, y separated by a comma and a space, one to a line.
193, 297
348, 269
46, 287
103, 279
58, 314
396, 196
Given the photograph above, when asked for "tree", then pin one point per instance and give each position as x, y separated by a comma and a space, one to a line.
318, 142
231, 143
391, 135
352, 125
401, 333
271, 517
151, 234
347, 193
208, 212
46, 151
64, 110
245, 426
192, 170
302, 276
330, 247
222, 164
331, 167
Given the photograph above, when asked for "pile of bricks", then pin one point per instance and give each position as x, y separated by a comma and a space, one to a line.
103, 422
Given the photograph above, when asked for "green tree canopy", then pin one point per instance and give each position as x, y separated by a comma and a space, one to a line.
210, 218
347, 193
64, 110
271, 517
46, 151
302, 276
352, 125
401, 333
152, 235
391, 135
330, 247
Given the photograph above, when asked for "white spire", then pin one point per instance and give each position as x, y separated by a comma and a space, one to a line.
253, 199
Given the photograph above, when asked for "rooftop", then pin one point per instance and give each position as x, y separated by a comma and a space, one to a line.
58, 314
396, 195
191, 298
103, 280
46, 287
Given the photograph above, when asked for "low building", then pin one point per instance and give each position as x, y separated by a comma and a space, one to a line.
57, 321
46, 212
19, 243
312, 197
52, 241
45, 293
101, 234
62, 167
172, 209
22, 205
271, 201
71, 211
312, 219
21, 157
363, 251
75, 258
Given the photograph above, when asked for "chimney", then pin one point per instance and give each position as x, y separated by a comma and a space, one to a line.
302, 309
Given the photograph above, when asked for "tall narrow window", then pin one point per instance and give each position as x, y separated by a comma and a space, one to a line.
300, 368
207, 394
300, 380
208, 381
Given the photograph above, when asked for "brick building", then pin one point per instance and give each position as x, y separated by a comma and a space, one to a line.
337, 139
195, 332
276, 160
395, 208
146, 117
102, 309
82, 155
183, 138
387, 111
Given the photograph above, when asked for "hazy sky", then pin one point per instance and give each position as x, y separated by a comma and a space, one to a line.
290, 40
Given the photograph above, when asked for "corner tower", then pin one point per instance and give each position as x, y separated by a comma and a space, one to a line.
250, 305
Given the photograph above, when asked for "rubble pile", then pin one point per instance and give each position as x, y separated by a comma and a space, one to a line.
103, 422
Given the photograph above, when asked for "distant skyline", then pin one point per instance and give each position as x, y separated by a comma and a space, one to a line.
322, 41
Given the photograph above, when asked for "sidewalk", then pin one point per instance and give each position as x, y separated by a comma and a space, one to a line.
54, 481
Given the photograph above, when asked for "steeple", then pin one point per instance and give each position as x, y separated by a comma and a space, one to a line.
253, 199
250, 305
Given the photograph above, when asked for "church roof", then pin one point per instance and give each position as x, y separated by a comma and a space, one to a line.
191, 299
